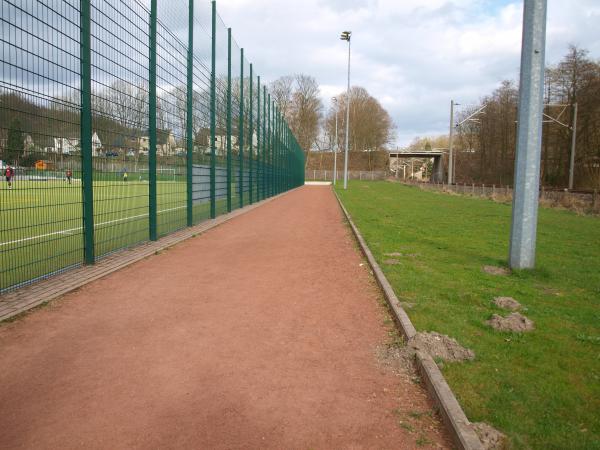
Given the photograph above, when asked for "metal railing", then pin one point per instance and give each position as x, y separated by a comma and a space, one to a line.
327, 175
123, 123
580, 201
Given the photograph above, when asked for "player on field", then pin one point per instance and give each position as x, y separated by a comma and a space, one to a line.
9, 173
69, 175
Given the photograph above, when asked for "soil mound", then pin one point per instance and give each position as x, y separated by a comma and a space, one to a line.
397, 359
495, 270
441, 346
491, 438
513, 322
507, 303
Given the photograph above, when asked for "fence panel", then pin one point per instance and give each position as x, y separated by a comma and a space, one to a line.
40, 208
119, 77
114, 129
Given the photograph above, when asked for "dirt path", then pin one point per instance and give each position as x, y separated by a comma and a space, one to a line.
261, 333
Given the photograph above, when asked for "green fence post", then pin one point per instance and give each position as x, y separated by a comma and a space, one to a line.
213, 115
264, 145
281, 154
228, 119
190, 117
269, 144
251, 136
278, 151
241, 131
152, 209
258, 137
86, 132
275, 147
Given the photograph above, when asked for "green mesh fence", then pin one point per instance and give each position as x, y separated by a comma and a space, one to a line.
124, 121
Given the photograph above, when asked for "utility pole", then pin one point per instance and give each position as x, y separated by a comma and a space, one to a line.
450, 142
573, 144
529, 137
346, 37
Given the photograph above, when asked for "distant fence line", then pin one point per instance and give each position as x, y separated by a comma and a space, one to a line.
588, 202
327, 175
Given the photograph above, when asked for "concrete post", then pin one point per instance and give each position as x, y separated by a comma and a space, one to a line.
529, 136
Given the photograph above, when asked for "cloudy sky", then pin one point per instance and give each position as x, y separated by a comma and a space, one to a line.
412, 55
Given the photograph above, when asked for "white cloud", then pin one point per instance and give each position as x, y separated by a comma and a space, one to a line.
413, 55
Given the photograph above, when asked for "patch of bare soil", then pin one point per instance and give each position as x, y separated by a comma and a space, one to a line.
407, 305
441, 346
515, 322
550, 291
393, 254
507, 303
495, 270
392, 262
491, 438
398, 359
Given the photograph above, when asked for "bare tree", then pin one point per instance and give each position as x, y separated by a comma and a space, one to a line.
282, 93
371, 127
297, 98
486, 148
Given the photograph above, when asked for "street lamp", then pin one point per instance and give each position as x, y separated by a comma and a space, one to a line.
346, 37
335, 145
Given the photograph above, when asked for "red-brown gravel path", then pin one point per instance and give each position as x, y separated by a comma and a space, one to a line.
260, 333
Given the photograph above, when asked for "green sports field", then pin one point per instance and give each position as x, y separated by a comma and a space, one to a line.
541, 388
41, 222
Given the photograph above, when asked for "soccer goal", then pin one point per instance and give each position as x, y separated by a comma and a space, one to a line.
162, 174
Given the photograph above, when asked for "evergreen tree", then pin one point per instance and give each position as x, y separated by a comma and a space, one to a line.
14, 143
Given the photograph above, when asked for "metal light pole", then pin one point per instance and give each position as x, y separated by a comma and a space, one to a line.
573, 143
450, 143
335, 145
529, 137
346, 37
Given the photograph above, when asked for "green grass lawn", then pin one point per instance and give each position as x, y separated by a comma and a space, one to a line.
541, 388
41, 222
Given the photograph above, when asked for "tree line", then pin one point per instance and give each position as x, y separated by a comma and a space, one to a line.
298, 99
485, 147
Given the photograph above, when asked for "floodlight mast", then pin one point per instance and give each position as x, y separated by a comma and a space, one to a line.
335, 145
346, 37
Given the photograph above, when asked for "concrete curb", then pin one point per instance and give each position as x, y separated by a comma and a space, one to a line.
454, 418
28, 297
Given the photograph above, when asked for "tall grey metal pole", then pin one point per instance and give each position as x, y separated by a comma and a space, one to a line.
347, 121
450, 143
573, 144
529, 137
335, 145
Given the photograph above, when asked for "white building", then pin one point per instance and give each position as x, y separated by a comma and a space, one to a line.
68, 146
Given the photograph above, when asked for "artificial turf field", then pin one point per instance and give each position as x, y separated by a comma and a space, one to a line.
41, 222
541, 388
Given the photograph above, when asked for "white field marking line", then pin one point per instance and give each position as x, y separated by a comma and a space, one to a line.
71, 230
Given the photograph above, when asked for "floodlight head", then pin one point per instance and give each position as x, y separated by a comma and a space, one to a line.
346, 35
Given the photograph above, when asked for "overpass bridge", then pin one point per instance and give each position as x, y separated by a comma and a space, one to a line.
437, 174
